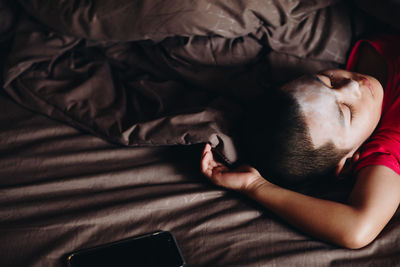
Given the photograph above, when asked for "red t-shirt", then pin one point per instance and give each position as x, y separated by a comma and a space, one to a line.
383, 147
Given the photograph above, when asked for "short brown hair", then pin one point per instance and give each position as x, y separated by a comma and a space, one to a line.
277, 142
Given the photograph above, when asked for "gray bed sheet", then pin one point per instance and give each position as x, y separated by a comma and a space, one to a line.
62, 190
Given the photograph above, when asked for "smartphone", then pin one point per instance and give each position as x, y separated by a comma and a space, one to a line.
156, 249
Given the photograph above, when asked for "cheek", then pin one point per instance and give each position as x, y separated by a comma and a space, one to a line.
373, 112
366, 124
374, 119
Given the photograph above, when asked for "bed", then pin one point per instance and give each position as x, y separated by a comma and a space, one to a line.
106, 106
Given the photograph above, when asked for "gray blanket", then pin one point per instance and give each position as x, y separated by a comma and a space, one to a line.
166, 73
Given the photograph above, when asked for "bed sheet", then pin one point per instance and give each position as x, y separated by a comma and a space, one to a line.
62, 190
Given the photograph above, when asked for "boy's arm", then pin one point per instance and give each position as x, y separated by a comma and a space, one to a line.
373, 201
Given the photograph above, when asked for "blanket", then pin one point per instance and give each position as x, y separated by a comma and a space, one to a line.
148, 73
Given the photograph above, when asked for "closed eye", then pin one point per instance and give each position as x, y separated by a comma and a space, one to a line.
333, 82
352, 110
325, 80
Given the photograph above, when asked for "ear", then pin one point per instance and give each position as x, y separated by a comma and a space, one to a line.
345, 165
340, 166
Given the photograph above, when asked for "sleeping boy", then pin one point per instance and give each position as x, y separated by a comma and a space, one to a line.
322, 123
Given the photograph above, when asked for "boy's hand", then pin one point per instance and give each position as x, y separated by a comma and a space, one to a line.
243, 178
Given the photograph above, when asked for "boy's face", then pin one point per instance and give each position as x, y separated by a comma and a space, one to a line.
339, 106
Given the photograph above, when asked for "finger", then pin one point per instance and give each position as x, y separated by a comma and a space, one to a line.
208, 156
206, 148
207, 164
205, 161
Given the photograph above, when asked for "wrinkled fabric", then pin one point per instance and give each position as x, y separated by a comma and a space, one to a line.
95, 88
148, 77
62, 190
241, 28
157, 73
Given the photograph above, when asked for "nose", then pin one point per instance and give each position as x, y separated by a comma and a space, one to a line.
348, 89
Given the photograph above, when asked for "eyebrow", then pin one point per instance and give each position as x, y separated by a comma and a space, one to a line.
341, 115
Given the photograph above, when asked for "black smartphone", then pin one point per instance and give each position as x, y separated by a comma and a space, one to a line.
156, 249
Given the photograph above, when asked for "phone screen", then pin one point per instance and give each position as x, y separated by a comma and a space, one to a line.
155, 249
